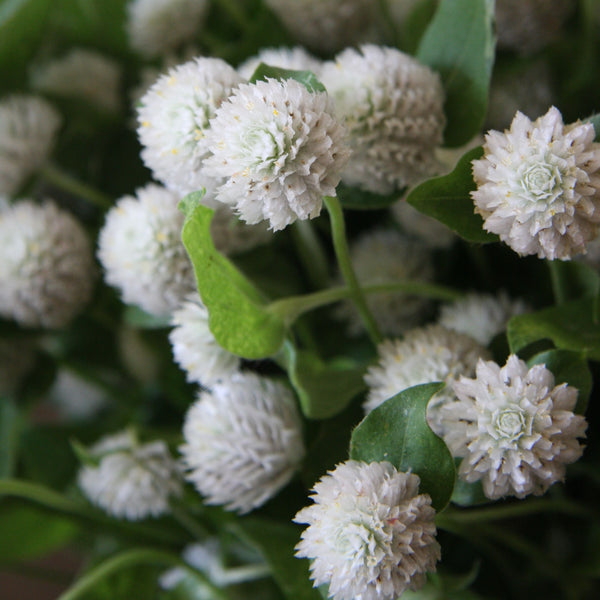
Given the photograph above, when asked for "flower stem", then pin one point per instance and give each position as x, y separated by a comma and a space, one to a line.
311, 254
340, 245
237, 575
67, 183
188, 522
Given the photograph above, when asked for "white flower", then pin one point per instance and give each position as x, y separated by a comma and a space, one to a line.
371, 535
296, 59
132, 481
393, 108
76, 397
47, 270
174, 120
538, 186
157, 26
194, 346
232, 236
384, 256
28, 127
515, 429
81, 74
427, 229
482, 316
279, 149
243, 441
142, 253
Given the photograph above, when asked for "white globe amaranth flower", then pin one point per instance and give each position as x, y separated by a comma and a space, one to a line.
131, 481
537, 186
28, 128
279, 150
156, 27
141, 251
81, 74
423, 227
392, 106
370, 534
383, 256
47, 270
482, 316
194, 346
515, 429
296, 59
76, 397
231, 235
243, 441
174, 120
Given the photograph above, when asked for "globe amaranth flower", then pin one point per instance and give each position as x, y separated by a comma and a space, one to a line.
47, 270
75, 397
142, 253
278, 149
421, 226
156, 27
28, 128
131, 480
386, 256
194, 346
537, 186
296, 59
174, 119
392, 106
515, 429
482, 316
243, 441
370, 534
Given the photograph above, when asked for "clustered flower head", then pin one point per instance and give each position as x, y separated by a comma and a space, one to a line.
278, 149
131, 481
296, 59
515, 429
537, 186
370, 534
243, 441
142, 253
47, 270
392, 106
28, 128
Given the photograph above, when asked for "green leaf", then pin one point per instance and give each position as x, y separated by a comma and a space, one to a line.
10, 428
397, 432
595, 121
459, 44
570, 326
572, 280
355, 199
84, 456
238, 318
468, 494
140, 319
415, 24
307, 78
568, 367
448, 199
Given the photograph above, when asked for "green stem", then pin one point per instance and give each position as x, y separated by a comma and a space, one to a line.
67, 183
237, 575
558, 289
340, 245
311, 254
188, 522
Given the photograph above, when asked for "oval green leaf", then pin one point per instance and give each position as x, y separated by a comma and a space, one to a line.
307, 78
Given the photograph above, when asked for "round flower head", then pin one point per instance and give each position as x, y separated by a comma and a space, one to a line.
131, 481
194, 346
513, 427
28, 127
279, 149
81, 74
243, 441
156, 27
383, 256
142, 253
370, 534
482, 316
423, 227
232, 236
296, 59
174, 120
393, 108
537, 186
47, 270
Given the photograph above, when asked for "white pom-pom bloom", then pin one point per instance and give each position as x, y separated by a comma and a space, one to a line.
279, 149
482, 316
174, 118
142, 253
384, 256
81, 74
392, 106
156, 27
243, 441
371, 535
76, 397
47, 270
194, 346
296, 59
28, 127
537, 186
427, 229
515, 429
131, 481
